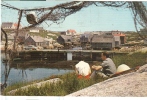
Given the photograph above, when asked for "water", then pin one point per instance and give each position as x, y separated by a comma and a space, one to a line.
30, 74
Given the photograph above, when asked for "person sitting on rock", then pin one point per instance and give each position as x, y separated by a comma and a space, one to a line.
106, 69
83, 70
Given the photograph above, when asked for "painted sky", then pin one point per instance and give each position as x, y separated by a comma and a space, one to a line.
91, 18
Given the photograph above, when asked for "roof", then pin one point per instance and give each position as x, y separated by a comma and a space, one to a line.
65, 37
102, 39
87, 34
16, 24
46, 39
37, 38
118, 33
98, 32
9, 24
6, 24
71, 31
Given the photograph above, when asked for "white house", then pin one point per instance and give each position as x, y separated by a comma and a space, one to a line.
36, 29
70, 32
10, 25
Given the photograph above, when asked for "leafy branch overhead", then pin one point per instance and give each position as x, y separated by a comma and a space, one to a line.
58, 13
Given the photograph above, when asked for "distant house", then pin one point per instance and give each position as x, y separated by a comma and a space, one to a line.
70, 32
118, 34
105, 41
34, 40
117, 41
86, 38
22, 36
145, 41
64, 39
69, 40
48, 41
36, 29
10, 25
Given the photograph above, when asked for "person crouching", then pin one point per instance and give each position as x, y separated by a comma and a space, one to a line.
83, 70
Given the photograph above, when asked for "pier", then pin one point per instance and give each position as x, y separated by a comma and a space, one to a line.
63, 55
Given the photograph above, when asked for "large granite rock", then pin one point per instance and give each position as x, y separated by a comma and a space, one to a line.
129, 85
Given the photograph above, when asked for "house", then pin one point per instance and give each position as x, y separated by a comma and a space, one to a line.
145, 41
22, 36
34, 40
10, 25
104, 41
69, 40
48, 41
122, 36
117, 41
86, 38
64, 39
100, 32
70, 32
36, 29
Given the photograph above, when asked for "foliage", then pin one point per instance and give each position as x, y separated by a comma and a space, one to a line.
45, 34
132, 60
69, 85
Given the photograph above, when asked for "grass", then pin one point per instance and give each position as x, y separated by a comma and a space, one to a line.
132, 60
71, 83
45, 34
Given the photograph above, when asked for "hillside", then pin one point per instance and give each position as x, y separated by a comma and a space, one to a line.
42, 33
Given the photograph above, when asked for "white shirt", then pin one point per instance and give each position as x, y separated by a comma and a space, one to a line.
83, 68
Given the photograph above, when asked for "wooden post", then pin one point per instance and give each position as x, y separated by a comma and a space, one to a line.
91, 54
58, 53
6, 43
20, 15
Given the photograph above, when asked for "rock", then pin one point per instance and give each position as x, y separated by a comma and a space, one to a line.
55, 80
142, 69
133, 84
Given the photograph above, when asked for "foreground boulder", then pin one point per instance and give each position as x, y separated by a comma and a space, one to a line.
128, 85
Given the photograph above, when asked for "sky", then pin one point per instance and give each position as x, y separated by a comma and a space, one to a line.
91, 18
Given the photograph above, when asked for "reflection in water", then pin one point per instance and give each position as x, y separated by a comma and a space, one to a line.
15, 74
6, 71
23, 72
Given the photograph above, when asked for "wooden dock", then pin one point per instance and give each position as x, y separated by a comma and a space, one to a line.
63, 55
